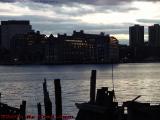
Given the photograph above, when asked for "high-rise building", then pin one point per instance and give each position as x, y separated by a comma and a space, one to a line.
154, 35
11, 28
0, 35
136, 36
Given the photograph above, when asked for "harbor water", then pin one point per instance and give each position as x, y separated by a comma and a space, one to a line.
19, 83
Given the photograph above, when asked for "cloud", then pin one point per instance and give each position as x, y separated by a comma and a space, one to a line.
150, 21
90, 2
64, 16
64, 27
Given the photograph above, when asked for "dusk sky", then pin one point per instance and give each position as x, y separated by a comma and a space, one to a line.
93, 16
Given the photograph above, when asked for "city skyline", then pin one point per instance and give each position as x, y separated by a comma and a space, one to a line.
112, 17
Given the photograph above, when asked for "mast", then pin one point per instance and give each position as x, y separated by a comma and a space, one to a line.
113, 83
112, 77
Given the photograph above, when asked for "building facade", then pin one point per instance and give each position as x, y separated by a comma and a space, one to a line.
11, 28
30, 47
154, 35
0, 35
136, 36
113, 49
81, 48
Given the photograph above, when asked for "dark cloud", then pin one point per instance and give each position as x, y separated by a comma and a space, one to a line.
39, 19
91, 2
151, 21
77, 9
7, 0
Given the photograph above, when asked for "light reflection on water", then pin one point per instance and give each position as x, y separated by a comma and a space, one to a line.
19, 83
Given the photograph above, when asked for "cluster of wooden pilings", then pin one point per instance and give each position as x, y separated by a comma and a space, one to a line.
12, 113
101, 106
48, 103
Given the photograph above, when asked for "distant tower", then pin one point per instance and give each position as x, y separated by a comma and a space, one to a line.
136, 36
154, 35
0, 35
11, 28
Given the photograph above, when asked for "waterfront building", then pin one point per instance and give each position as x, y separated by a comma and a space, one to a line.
29, 47
154, 35
12, 27
0, 35
85, 48
79, 47
136, 36
82, 48
51, 49
114, 49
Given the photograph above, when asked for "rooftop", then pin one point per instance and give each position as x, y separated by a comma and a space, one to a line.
15, 22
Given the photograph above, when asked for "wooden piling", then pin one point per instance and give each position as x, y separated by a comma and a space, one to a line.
47, 102
93, 86
58, 99
0, 106
39, 111
23, 110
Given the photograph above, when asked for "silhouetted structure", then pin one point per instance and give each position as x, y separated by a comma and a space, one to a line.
93, 86
23, 110
21, 45
12, 113
124, 53
58, 99
105, 107
47, 102
136, 36
114, 50
34, 47
82, 48
39, 111
29, 48
136, 43
154, 35
11, 28
102, 108
52, 49
0, 35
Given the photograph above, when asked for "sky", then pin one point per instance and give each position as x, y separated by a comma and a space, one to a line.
93, 16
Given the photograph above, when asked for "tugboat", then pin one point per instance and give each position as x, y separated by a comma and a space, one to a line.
102, 107
105, 107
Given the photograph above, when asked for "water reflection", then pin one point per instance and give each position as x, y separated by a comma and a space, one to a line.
19, 83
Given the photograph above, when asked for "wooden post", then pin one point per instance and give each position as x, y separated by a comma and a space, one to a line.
58, 99
39, 111
93, 86
47, 102
0, 106
0, 97
23, 110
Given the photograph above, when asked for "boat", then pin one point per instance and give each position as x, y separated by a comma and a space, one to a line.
105, 107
